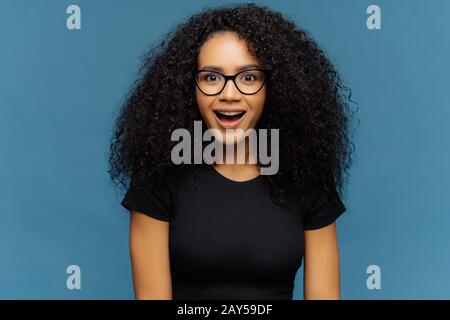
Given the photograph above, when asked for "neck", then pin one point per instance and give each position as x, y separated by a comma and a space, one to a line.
237, 168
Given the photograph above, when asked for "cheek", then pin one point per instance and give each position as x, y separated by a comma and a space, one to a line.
257, 107
203, 103
257, 104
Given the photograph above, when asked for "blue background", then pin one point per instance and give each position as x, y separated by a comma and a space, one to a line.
60, 91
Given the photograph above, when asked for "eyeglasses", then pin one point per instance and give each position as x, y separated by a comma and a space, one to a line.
248, 82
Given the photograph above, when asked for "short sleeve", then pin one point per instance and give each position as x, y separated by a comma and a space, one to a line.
155, 200
326, 213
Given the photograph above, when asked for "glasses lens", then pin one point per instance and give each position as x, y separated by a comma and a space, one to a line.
210, 82
250, 81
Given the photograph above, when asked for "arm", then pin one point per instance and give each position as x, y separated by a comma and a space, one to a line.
321, 279
149, 252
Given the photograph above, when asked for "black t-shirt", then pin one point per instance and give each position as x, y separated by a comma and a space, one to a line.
228, 239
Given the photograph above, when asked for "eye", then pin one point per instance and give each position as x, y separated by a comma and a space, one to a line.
211, 77
248, 77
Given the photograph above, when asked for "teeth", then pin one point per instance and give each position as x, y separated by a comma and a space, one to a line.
230, 113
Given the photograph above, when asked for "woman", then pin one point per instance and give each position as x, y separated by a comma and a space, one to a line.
225, 231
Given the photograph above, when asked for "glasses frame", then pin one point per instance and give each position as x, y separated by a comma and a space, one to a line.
232, 78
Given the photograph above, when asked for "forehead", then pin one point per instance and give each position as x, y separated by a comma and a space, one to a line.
226, 51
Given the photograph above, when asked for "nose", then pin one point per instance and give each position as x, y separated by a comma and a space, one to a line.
230, 92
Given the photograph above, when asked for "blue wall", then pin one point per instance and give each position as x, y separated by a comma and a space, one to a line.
60, 91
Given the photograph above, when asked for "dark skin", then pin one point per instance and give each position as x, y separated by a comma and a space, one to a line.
149, 237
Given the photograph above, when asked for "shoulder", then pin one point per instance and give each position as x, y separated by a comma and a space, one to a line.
171, 174
174, 176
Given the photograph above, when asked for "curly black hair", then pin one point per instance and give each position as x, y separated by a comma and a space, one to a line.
305, 100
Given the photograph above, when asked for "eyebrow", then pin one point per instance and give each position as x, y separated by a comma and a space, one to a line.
244, 67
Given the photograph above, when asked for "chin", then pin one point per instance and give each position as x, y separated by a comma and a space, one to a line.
221, 135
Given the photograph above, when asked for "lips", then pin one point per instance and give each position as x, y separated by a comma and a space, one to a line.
229, 118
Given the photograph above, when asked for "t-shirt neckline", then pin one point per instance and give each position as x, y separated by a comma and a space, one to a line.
228, 180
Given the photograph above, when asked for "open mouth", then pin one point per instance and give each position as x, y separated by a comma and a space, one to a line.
229, 118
